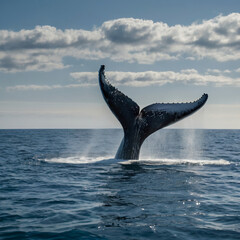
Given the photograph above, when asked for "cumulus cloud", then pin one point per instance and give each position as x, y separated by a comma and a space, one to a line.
127, 39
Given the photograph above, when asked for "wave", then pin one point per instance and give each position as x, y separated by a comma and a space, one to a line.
110, 160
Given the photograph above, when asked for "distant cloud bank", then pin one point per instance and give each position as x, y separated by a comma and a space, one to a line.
141, 79
127, 39
214, 77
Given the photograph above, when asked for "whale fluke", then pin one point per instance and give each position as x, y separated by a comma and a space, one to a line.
138, 125
123, 107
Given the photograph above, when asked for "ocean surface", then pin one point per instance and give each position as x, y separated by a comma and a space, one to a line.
65, 184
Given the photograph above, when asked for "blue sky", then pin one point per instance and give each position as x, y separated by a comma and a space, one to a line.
154, 51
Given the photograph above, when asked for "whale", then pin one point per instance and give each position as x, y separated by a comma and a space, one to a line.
139, 124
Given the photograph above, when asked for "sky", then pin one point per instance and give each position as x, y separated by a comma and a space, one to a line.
153, 50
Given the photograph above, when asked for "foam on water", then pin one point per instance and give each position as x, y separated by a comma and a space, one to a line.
163, 161
77, 160
166, 161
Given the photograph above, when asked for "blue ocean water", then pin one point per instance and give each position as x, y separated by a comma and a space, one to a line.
65, 184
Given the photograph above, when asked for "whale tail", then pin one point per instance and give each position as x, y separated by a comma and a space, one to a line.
138, 125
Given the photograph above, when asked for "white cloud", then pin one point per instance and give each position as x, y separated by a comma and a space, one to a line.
218, 71
127, 39
45, 87
148, 78
214, 77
